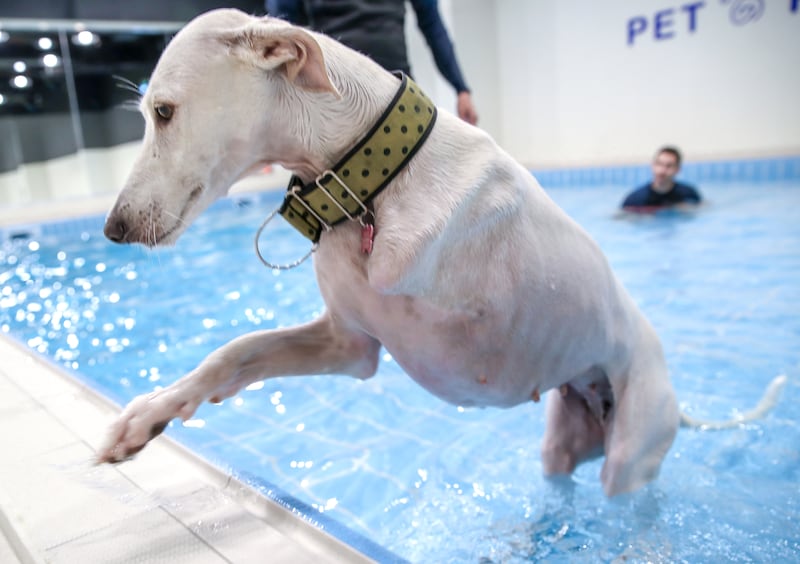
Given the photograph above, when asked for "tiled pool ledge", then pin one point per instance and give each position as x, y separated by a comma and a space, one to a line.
165, 505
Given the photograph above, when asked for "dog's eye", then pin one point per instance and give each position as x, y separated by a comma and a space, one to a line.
164, 111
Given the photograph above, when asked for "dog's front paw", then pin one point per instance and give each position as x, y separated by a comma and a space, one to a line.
142, 420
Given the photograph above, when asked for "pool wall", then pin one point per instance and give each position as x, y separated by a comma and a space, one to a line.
781, 169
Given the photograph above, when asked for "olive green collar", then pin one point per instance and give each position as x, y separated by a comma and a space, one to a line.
342, 192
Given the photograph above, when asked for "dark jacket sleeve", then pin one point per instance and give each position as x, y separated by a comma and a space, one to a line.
432, 27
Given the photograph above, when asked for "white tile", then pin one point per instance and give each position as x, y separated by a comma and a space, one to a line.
237, 535
147, 537
62, 496
41, 383
29, 432
86, 421
147, 468
12, 398
6, 552
31, 373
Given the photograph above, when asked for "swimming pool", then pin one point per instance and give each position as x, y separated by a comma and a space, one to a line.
438, 483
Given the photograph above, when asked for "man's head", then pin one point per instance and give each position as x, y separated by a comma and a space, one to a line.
666, 165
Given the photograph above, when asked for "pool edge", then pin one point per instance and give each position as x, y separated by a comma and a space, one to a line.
17, 520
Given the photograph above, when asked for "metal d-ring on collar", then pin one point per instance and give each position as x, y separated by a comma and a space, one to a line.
293, 192
378, 157
268, 264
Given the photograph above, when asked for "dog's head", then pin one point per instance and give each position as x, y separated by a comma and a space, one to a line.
218, 106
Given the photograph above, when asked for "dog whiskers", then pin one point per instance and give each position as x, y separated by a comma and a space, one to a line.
176, 217
129, 105
151, 236
126, 83
130, 86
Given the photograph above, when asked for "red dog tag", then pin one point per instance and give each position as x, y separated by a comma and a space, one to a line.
367, 238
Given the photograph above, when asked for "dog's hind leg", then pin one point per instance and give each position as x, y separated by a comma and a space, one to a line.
319, 347
644, 420
573, 433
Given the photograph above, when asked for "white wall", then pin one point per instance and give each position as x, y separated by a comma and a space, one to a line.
472, 26
84, 174
560, 84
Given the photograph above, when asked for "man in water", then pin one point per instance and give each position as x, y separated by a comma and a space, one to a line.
663, 191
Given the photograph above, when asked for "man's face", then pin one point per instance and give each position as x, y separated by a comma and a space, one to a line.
665, 167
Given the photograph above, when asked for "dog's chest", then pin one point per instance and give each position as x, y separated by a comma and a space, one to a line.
461, 355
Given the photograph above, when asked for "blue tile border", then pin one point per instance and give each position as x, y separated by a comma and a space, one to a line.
52, 228
93, 224
362, 544
780, 169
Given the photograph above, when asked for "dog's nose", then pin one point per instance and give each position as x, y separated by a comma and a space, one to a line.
116, 229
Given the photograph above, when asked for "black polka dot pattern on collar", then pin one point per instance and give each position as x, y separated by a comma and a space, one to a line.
343, 192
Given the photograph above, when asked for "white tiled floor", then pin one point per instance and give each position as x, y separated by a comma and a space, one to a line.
6, 552
164, 506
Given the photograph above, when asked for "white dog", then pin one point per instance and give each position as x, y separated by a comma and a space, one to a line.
482, 289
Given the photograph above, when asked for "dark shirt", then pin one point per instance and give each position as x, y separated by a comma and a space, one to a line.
377, 29
646, 197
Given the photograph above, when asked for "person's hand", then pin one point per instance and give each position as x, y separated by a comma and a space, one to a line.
466, 109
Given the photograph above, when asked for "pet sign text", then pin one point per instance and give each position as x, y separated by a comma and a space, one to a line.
673, 21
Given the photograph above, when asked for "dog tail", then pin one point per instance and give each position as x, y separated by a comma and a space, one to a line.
768, 401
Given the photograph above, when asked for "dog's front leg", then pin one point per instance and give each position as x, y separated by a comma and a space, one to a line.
319, 347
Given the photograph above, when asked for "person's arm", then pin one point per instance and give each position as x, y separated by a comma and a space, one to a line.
432, 27
637, 202
694, 195
290, 10
637, 198
690, 198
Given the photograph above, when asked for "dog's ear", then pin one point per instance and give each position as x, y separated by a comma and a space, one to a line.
288, 49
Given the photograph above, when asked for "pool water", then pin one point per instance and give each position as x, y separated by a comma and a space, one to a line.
432, 482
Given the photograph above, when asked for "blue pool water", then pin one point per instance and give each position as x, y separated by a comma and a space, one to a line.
432, 482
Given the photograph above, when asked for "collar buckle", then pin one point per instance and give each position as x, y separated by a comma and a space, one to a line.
331, 174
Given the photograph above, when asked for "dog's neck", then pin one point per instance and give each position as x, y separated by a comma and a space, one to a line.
319, 139
343, 191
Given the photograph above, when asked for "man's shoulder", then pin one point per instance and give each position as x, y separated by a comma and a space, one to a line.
687, 191
638, 197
